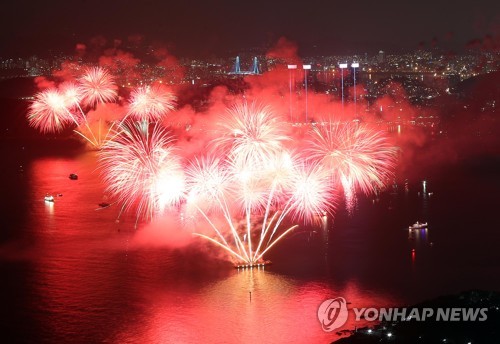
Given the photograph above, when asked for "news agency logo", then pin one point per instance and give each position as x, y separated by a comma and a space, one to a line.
333, 314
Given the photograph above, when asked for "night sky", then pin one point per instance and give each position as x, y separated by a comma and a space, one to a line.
203, 28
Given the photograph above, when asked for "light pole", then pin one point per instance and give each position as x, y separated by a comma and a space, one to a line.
306, 68
354, 66
290, 68
342, 66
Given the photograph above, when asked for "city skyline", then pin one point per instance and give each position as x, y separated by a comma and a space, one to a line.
205, 29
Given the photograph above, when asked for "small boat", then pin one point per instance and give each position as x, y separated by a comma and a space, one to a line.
418, 225
73, 176
104, 204
49, 198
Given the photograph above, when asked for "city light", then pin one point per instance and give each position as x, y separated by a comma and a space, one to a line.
342, 66
354, 66
290, 68
211, 155
306, 68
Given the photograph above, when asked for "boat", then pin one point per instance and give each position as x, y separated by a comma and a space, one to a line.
49, 198
244, 265
104, 204
73, 176
418, 225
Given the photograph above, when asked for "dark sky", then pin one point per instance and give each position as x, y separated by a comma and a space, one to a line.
214, 27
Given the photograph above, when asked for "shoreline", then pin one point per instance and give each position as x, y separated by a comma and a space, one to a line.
435, 330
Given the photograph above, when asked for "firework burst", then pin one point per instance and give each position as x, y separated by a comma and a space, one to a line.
141, 169
54, 109
256, 207
151, 103
97, 85
72, 94
49, 112
251, 180
251, 134
255, 183
310, 191
355, 155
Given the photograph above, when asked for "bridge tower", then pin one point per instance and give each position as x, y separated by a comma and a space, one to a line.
255, 69
237, 69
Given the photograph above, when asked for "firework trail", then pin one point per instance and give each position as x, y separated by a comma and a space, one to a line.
250, 180
97, 86
254, 209
150, 103
255, 183
355, 155
141, 169
54, 109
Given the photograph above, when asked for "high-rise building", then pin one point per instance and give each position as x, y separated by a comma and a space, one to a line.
381, 56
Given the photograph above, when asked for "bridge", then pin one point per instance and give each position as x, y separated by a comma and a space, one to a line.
237, 69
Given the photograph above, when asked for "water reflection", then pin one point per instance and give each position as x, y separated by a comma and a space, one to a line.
420, 235
75, 205
87, 282
49, 208
280, 310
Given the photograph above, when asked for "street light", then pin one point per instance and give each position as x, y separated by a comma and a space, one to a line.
342, 66
290, 67
354, 66
306, 68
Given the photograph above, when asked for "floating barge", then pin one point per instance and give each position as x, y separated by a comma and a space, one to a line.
244, 265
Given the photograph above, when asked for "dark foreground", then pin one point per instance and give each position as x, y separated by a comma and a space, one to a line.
432, 331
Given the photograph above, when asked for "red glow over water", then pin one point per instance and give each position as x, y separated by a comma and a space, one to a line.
90, 282
76, 275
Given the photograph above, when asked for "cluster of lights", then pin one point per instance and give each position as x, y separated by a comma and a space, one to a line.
305, 67
343, 66
251, 266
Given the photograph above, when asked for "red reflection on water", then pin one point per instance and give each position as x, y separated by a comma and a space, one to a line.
90, 283
280, 310
75, 203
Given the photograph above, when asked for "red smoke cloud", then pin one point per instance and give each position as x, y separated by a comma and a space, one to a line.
80, 49
121, 64
164, 231
42, 83
193, 125
69, 71
285, 50
173, 70
107, 112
